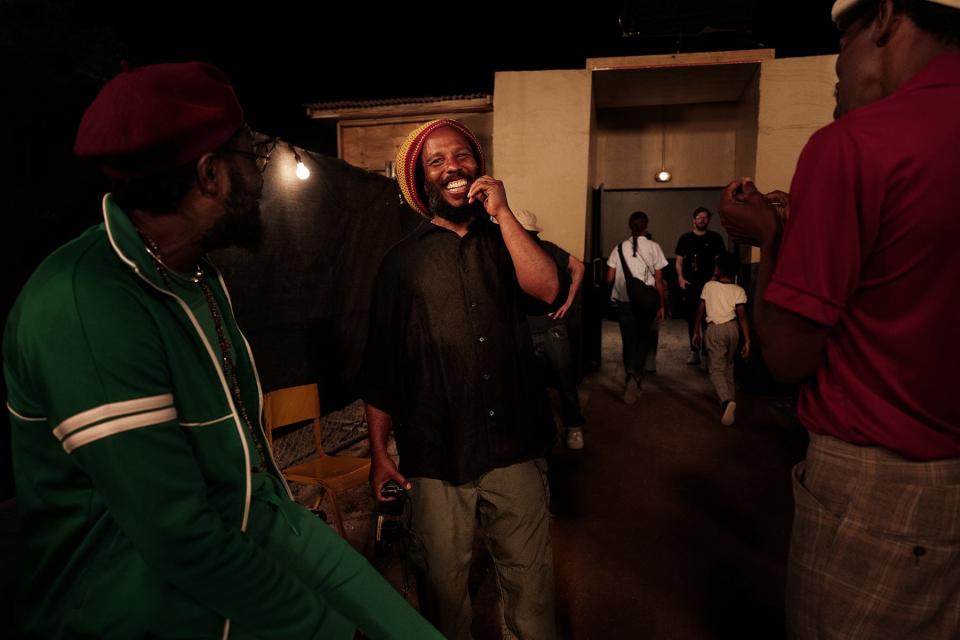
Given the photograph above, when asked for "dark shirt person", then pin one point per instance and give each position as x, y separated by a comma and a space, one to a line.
450, 368
696, 257
551, 338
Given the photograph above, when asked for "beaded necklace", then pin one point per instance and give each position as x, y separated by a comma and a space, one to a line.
229, 368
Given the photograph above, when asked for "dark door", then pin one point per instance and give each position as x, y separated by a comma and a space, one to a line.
595, 291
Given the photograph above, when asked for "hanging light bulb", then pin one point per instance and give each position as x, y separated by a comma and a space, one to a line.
302, 172
663, 175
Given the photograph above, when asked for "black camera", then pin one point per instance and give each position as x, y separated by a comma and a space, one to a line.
392, 489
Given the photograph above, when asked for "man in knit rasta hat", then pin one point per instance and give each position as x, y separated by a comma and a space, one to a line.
858, 280
151, 505
451, 368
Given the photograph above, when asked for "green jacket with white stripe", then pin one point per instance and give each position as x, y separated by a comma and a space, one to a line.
131, 463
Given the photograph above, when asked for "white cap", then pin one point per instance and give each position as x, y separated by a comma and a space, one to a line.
527, 220
840, 6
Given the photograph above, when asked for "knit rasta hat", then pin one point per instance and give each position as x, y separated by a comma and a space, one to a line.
407, 164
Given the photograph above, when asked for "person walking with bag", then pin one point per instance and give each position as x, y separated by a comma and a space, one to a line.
635, 269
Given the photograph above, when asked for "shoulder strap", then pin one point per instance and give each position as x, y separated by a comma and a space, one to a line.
646, 265
626, 270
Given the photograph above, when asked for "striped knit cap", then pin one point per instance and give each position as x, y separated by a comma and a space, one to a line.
407, 164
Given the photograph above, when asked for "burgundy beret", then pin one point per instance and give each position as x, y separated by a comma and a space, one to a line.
158, 117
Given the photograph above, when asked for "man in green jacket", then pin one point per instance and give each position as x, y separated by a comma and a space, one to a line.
151, 504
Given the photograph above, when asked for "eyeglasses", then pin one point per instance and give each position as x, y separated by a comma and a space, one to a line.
260, 158
262, 146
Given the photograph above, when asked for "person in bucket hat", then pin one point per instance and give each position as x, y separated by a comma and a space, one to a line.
857, 281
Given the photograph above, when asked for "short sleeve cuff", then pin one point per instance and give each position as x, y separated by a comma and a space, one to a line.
802, 303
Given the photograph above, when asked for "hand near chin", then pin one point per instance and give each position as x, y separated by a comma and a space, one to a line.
491, 193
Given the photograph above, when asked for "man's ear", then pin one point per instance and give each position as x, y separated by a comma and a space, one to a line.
886, 24
209, 174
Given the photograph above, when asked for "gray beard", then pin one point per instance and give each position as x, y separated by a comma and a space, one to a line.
240, 225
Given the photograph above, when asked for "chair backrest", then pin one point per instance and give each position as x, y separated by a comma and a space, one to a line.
288, 406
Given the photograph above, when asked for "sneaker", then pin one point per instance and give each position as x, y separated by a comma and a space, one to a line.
574, 439
632, 390
694, 358
728, 408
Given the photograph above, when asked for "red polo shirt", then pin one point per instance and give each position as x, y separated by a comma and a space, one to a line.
872, 249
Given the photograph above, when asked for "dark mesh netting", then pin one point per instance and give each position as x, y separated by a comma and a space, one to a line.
302, 299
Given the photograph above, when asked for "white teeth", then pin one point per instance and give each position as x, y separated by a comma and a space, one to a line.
456, 184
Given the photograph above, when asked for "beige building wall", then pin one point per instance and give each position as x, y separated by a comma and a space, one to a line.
552, 146
745, 161
697, 143
541, 132
796, 99
592, 182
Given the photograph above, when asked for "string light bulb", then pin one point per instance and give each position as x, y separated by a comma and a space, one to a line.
302, 172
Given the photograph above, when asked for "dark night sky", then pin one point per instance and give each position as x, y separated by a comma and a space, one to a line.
283, 54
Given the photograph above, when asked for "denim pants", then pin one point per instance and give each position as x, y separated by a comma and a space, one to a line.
691, 302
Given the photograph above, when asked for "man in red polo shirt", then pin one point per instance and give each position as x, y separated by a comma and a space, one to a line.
852, 300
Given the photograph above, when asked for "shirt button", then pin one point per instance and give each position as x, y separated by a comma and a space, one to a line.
491, 414
473, 305
481, 339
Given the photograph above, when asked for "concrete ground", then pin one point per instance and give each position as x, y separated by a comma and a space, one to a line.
667, 524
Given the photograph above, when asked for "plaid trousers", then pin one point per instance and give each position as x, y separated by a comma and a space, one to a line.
875, 549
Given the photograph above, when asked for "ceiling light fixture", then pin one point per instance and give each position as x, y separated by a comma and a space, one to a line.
663, 175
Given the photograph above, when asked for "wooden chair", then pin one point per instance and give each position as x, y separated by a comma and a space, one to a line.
334, 474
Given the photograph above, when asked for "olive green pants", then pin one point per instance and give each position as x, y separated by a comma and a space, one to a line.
510, 507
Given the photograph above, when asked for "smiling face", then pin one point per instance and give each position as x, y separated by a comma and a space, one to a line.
449, 168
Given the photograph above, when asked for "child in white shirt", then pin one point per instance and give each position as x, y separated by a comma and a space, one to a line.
724, 304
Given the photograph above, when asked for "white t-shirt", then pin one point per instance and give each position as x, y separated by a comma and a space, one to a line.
649, 259
721, 300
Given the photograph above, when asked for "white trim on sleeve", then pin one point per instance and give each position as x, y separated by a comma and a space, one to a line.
208, 422
113, 427
111, 410
23, 417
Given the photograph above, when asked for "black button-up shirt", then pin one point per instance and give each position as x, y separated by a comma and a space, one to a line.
449, 355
